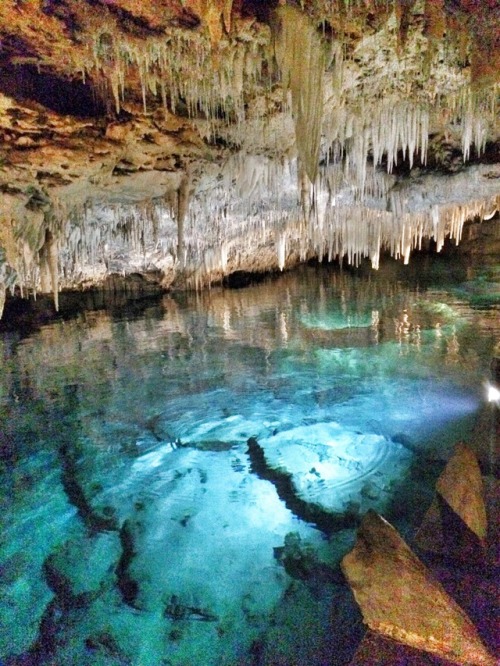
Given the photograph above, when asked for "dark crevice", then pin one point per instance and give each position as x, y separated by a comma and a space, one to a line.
76, 495
45, 646
64, 96
242, 279
12, 46
129, 22
260, 9
128, 586
65, 14
186, 19
62, 587
48, 640
326, 521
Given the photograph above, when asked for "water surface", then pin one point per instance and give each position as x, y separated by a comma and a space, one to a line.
138, 525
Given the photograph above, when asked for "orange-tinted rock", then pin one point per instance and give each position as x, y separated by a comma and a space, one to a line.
400, 600
455, 524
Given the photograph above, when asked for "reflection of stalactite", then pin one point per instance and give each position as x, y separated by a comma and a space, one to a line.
48, 260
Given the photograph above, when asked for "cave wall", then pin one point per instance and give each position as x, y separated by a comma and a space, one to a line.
198, 138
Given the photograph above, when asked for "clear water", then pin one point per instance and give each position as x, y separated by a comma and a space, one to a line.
136, 526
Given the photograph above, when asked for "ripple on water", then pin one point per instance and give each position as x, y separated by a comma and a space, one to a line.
335, 467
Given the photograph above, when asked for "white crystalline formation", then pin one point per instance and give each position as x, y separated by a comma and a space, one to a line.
329, 193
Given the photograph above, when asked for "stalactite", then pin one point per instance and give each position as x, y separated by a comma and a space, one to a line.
43, 263
304, 187
182, 209
301, 59
180, 66
52, 252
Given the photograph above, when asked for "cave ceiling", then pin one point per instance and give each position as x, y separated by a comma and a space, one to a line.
196, 137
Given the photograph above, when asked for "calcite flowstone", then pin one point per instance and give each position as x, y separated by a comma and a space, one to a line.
456, 523
399, 598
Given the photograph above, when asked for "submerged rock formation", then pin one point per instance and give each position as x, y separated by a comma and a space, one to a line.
400, 599
199, 138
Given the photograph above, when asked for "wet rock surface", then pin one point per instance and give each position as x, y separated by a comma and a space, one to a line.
456, 525
401, 600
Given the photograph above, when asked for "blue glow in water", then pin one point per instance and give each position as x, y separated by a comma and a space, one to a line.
136, 527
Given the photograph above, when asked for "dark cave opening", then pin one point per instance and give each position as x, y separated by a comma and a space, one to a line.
64, 96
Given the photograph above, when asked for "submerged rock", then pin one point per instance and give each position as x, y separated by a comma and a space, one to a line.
92, 519
215, 445
400, 600
455, 524
106, 644
79, 569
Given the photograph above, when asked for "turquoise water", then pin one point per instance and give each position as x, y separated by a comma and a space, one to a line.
138, 524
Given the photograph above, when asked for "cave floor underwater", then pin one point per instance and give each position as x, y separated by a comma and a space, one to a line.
181, 478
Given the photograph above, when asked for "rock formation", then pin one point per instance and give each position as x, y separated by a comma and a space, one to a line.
198, 138
455, 524
400, 599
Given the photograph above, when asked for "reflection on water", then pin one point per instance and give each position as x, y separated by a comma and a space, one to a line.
138, 527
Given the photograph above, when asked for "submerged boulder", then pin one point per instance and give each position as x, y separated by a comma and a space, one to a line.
400, 600
456, 524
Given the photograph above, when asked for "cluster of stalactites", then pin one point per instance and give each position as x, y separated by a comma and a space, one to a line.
220, 226
376, 133
7, 279
183, 70
35, 227
357, 232
35, 272
218, 236
384, 117
334, 108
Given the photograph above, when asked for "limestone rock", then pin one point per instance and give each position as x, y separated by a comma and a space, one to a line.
400, 600
456, 523
104, 104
